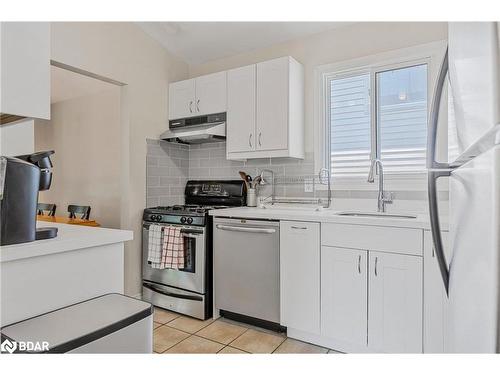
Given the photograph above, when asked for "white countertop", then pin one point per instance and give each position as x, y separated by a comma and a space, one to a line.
69, 237
323, 216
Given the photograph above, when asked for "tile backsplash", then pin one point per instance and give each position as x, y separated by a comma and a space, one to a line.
170, 165
167, 168
208, 161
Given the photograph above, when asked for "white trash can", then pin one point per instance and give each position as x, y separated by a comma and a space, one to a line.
112, 323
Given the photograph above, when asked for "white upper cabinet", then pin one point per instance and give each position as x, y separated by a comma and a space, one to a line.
300, 275
272, 104
344, 294
241, 87
277, 111
197, 96
181, 99
264, 104
211, 93
25, 69
395, 303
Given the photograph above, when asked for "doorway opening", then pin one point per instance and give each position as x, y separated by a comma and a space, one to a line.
85, 131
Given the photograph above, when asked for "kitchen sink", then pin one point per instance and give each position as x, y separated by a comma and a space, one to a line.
375, 214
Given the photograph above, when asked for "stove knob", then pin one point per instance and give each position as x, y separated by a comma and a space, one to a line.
153, 217
183, 220
159, 217
190, 220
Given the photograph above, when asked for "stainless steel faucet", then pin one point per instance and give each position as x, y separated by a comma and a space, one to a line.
384, 197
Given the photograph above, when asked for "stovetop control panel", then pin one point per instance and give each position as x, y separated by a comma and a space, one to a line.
155, 217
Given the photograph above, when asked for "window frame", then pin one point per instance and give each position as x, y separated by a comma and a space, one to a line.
430, 54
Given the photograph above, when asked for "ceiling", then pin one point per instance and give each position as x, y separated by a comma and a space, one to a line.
66, 85
199, 42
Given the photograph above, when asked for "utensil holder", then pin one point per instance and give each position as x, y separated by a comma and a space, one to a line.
251, 197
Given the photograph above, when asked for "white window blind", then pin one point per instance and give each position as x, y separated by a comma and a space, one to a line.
350, 129
400, 128
402, 118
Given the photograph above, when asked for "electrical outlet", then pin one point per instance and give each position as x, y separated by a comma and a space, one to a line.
308, 185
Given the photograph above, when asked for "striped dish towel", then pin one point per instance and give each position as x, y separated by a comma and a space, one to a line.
155, 245
173, 248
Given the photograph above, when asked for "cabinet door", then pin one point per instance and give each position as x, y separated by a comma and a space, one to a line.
25, 69
395, 303
211, 93
181, 99
241, 109
344, 292
272, 104
300, 275
435, 298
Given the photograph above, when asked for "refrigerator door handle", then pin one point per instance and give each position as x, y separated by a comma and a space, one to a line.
433, 176
432, 163
435, 171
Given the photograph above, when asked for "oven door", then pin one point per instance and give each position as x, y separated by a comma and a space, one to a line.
192, 276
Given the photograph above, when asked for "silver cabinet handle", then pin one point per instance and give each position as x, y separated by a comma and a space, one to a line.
295, 227
376, 262
260, 139
250, 140
246, 229
191, 106
198, 105
359, 264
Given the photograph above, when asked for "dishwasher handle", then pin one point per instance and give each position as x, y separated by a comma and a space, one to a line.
245, 229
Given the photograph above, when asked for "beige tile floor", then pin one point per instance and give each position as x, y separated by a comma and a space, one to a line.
175, 333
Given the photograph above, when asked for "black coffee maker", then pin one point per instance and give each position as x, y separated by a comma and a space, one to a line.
21, 178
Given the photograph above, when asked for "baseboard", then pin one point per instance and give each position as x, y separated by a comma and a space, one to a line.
326, 342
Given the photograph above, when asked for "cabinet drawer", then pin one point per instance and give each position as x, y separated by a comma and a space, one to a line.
365, 237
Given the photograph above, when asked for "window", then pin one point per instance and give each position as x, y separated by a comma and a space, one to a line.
349, 125
377, 113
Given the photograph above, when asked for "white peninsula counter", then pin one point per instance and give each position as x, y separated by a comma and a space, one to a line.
40, 276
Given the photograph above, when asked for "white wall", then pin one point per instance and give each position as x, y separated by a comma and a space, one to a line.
356, 40
85, 134
123, 52
346, 43
17, 138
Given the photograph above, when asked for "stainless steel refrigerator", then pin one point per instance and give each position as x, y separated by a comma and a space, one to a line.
470, 74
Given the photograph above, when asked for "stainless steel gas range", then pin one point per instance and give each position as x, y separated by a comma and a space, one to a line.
188, 290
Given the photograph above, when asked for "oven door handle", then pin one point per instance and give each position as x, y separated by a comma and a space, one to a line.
185, 232
191, 235
170, 294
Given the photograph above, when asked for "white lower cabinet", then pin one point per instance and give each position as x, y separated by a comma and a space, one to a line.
338, 294
344, 295
394, 303
300, 275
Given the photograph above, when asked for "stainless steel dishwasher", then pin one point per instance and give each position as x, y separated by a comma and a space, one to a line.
246, 268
